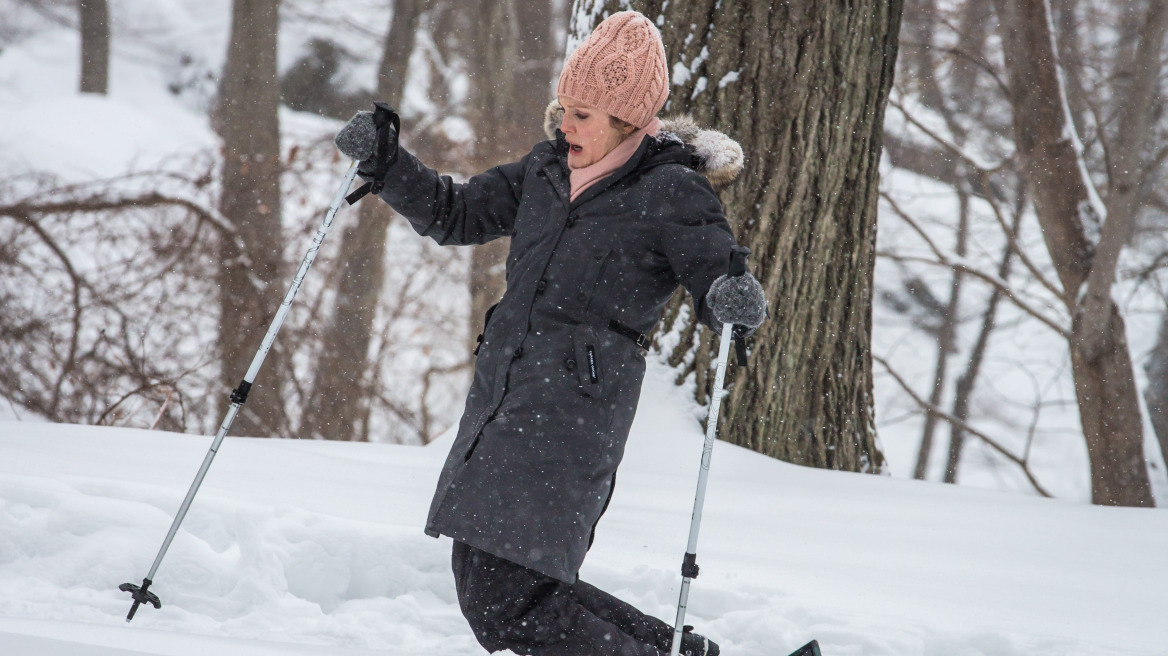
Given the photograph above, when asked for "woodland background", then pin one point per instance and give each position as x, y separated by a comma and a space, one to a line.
956, 216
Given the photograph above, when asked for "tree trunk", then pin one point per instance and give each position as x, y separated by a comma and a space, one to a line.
341, 387
919, 18
510, 62
95, 45
250, 287
1156, 393
802, 86
974, 27
1065, 205
1070, 52
946, 343
962, 85
963, 392
1137, 78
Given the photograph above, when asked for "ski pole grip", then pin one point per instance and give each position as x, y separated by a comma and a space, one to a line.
738, 256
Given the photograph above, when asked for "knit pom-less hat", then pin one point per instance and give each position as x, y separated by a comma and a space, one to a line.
619, 69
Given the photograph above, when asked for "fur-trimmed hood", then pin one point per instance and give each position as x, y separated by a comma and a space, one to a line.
718, 157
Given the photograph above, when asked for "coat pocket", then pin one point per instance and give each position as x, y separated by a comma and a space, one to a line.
586, 360
590, 282
486, 322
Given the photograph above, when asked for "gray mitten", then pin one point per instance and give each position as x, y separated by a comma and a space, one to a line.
358, 139
739, 300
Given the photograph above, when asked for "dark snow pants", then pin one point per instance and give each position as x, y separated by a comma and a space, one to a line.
512, 607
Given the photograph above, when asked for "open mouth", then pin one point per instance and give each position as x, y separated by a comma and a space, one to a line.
575, 149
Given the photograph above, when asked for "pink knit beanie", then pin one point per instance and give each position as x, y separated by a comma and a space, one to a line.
619, 69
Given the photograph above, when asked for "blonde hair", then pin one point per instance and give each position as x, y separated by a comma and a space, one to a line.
621, 125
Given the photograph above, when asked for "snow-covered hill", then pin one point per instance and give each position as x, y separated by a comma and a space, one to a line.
299, 547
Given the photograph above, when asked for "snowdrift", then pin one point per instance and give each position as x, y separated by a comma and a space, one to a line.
301, 547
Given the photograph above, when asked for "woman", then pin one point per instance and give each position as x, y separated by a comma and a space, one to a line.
605, 221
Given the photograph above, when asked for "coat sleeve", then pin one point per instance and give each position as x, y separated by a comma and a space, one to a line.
451, 213
697, 241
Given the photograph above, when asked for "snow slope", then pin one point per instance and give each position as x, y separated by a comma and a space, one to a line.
300, 547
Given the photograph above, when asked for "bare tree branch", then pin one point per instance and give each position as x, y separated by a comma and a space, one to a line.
964, 426
994, 281
1012, 238
960, 152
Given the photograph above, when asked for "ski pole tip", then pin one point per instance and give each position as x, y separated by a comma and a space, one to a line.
141, 595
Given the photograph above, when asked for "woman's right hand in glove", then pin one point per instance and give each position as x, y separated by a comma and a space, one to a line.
358, 140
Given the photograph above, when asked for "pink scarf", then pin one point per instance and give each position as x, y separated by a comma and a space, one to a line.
584, 178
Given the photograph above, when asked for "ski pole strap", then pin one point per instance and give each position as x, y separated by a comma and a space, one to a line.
738, 255
689, 566
740, 344
385, 119
359, 193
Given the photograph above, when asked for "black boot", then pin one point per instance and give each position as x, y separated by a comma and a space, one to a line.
693, 644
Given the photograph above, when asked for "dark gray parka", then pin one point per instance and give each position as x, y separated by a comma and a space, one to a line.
555, 385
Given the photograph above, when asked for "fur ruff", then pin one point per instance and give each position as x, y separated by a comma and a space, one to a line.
719, 156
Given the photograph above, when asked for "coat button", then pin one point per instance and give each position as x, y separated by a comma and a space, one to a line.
597, 256
541, 174
570, 364
519, 352
571, 220
581, 296
540, 286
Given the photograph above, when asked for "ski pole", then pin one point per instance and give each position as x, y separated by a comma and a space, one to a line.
142, 594
689, 565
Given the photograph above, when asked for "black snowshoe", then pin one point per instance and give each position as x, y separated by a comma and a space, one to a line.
809, 649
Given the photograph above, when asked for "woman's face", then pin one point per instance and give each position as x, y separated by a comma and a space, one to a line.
590, 134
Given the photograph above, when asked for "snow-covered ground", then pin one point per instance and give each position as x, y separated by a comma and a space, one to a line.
307, 547
302, 547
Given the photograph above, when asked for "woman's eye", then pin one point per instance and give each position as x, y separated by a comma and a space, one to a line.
581, 116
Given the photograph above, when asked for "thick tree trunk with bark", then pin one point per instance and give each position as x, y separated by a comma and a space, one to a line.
250, 285
802, 86
95, 45
1064, 203
340, 391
